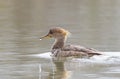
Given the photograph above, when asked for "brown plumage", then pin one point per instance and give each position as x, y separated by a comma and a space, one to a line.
59, 48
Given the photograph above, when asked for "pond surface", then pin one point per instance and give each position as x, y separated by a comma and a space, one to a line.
92, 23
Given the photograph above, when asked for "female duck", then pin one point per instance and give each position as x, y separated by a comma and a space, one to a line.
59, 48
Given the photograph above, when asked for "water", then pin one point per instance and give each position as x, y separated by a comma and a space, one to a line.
104, 66
92, 23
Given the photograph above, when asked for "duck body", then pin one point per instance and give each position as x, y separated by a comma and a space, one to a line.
59, 48
74, 51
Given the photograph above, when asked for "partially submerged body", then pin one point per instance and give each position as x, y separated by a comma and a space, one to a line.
74, 50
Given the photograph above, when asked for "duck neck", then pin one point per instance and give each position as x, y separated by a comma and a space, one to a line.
59, 43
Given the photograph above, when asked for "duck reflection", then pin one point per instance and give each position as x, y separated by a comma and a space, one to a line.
59, 72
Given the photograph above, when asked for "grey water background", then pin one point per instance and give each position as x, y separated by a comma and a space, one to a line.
92, 23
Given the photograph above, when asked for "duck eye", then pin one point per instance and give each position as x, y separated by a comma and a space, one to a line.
51, 32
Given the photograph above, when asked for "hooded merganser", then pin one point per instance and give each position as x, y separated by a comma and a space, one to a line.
59, 48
